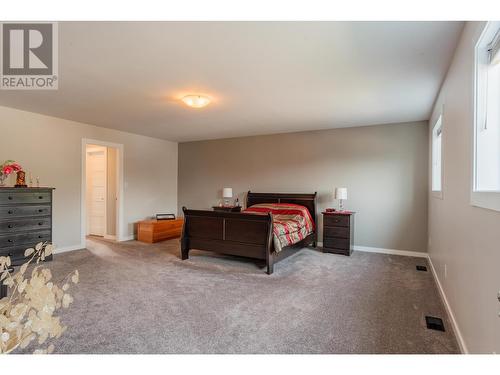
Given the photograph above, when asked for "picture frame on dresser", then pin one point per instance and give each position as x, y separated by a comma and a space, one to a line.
25, 220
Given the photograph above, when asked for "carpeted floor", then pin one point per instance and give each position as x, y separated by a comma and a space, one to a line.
139, 298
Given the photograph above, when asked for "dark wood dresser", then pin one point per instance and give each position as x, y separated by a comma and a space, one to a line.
25, 220
338, 232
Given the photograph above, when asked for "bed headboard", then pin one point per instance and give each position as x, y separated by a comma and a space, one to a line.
306, 200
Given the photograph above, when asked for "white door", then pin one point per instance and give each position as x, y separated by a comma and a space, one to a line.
96, 164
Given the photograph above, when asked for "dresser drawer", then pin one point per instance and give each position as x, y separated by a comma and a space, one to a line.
27, 224
332, 250
29, 239
7, 212
342, 232
336, 243
336, 220
16, 254
12, 197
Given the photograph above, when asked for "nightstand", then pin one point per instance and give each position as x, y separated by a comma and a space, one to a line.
338, 232
227, 208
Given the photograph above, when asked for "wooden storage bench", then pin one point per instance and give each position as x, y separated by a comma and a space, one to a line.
151, 231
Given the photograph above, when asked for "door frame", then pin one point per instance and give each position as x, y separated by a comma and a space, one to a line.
119, 180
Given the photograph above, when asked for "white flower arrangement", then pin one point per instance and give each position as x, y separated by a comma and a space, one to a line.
29, 312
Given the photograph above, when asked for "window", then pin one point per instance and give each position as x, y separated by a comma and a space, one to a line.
437, 140
486, 173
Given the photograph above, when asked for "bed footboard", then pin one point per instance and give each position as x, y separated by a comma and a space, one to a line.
228, 233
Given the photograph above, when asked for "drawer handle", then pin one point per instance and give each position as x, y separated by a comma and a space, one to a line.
10, 198
40, 197
40, 223
9, 254
10, 226
9, 240
40, 236
40, 210
10, 212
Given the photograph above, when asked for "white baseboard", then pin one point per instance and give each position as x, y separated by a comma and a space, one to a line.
456, 330
405, 253
126, 238
64, 249
380, 250
109, 237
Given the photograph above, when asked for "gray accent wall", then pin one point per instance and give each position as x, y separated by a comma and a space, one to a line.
384, 167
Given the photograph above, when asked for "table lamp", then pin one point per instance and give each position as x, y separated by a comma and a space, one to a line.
227, 193
341, 195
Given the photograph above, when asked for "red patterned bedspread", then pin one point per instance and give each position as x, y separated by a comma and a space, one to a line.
291, 222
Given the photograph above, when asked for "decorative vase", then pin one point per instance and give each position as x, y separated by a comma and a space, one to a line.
3, 177
21, 179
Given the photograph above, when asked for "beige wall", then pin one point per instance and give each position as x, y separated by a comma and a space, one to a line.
384, 168
52, 149
464, 238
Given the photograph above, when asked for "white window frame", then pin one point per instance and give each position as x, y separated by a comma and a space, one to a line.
439, 117
484, 199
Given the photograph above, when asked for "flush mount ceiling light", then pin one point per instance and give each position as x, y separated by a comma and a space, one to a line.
196, 101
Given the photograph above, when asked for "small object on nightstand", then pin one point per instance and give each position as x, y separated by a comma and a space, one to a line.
227, 208
338, 232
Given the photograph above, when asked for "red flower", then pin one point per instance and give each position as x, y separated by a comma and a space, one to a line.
7, 170
16, 167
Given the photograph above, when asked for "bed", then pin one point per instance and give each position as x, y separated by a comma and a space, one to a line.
274, 226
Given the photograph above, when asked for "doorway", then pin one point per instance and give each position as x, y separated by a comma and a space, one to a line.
102, 165
99, 193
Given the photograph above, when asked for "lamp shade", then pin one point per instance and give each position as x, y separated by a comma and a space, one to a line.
227, 192
341, 193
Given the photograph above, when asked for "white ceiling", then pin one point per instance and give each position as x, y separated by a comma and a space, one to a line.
264, 77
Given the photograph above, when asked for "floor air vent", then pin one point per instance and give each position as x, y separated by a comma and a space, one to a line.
434, 323
422, 268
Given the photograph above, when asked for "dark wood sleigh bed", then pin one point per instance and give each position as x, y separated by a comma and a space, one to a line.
243, 234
